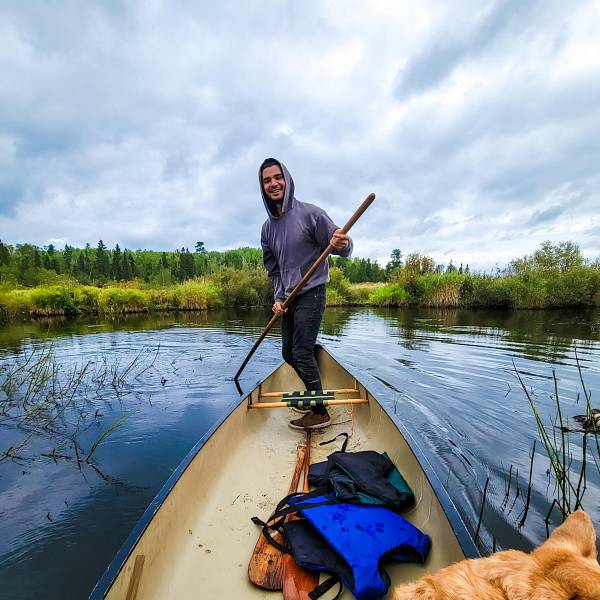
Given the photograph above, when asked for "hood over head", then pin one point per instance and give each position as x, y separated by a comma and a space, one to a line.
288, 197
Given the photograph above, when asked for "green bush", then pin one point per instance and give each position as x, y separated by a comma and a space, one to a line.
243, 288
576, 287
334, 298
123, 300
527, 290
390, 295
86, 298
13, 302
54, 300
360, 292
485, 290
196, 294
339, 283
441, 290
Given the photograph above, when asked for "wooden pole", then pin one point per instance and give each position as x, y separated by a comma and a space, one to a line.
307, 403
359, 211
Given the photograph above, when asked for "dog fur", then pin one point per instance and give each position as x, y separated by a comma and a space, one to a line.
564, 567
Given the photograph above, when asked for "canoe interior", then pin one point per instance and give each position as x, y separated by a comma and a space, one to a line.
200, 539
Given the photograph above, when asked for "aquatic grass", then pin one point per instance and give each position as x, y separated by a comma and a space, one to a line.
570, 486
441, 290
46, 401
197, 294
112, 301
52, 301
113, 427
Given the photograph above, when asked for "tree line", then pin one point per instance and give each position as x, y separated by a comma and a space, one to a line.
30, 265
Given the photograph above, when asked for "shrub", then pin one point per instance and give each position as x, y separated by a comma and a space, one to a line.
196, 294
389, 295
243, 288
54, 300
527, 290
441, 290
334, 298
339, 283
360, 292
123, 300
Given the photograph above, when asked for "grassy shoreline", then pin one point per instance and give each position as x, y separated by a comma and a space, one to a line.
238, 288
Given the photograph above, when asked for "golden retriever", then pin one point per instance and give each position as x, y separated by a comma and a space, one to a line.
564, 567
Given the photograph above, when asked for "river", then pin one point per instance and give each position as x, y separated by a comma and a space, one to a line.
160, 381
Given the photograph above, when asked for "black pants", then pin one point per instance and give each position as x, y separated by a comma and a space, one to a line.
299, 329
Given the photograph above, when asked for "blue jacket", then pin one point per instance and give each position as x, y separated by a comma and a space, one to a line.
293, 241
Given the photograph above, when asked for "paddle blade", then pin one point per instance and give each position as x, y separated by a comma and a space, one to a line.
265, 568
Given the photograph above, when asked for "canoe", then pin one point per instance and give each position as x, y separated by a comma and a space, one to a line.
196, 538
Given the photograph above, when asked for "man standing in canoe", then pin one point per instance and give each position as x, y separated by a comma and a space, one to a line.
292, 238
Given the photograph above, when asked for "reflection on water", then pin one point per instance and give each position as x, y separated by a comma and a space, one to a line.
447, 376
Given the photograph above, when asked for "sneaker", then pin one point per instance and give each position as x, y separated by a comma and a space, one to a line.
311, 421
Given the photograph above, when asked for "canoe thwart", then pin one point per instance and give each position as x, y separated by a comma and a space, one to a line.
308, 403
285, 394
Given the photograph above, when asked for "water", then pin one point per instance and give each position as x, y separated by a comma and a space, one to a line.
447, 375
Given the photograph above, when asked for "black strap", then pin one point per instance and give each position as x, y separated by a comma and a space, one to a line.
335, 438
326, 586
306, 402
284, 508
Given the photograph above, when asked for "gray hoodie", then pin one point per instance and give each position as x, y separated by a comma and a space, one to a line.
292, 242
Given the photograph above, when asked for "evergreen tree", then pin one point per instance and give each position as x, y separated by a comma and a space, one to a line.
395, 262
68, 258
200, 249
81, 265
186, 264
37, 259
117, 269
460, 269
467, 269
51, 259
4, 254
164, 261
132, 266
126, 273
102, 263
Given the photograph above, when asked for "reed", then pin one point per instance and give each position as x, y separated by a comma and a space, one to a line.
569, 485
43, 400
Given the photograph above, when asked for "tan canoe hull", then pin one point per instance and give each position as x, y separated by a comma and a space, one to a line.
196, 537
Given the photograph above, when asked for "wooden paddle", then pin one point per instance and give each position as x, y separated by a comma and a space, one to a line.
265, 568
359, 211
298, 582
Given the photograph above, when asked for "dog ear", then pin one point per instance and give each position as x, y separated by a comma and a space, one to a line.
577, 532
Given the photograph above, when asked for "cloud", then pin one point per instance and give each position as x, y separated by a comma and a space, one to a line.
478, 130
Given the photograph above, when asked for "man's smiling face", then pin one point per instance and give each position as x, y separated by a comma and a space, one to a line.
273, 183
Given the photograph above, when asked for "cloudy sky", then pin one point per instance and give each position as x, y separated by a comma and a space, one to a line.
477, 124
